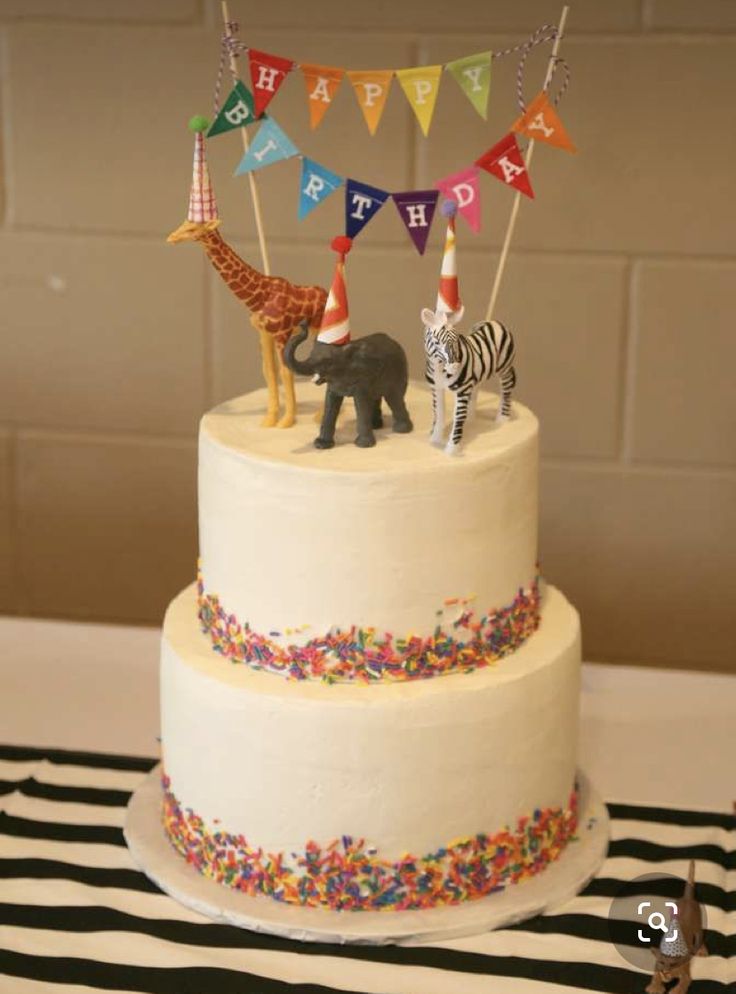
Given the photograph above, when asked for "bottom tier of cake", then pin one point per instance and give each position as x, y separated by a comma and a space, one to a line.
363, 797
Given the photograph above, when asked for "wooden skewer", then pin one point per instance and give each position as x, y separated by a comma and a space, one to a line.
527, 161
251, 177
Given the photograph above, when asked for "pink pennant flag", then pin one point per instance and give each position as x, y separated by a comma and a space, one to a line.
463, 187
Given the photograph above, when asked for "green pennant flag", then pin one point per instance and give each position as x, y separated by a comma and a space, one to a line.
236, 111
473, 76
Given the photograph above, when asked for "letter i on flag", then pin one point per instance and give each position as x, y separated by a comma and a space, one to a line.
270, 145
463, 187
267, 73
541, 122
473, 76
317, 183
416, 208
236, 111
505, 162
322, 83
421, 86
371, 89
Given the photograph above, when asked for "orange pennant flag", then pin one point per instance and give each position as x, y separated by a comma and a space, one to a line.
541, 122
322, 83
371, 89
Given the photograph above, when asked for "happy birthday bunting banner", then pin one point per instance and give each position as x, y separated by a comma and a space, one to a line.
416, 208
236, 111
371, 89
421, 87
362, 203
505, 162
267, 73
322, 83
317, 183
270, 145
463, 187
541, 122
473, 75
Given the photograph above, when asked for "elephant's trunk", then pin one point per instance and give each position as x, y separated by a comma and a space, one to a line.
302, 367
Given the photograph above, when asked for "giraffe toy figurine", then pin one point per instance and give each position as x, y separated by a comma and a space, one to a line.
277, 307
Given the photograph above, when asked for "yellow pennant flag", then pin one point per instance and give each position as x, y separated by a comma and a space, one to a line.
421, 86
540, 121
322, 83
371, 89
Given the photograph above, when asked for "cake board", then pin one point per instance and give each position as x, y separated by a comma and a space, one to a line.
560, 882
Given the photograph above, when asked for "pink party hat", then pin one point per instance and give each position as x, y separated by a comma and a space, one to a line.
448, 295
202, 203
335, 327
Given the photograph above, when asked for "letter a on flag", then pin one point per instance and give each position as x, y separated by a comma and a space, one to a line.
362, 202
236, 112
463, 187
269, 145
416, 208
322, 83
540, 122
267, 73
421, 87
473, 76
317, 183
371, 89
505, 162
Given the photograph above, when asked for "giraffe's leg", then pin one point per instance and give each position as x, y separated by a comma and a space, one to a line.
268, 357
287, 378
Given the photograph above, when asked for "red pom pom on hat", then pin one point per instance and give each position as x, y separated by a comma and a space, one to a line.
341, 244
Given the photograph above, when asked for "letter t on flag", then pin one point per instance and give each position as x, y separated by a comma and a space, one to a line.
361, 203
505, 162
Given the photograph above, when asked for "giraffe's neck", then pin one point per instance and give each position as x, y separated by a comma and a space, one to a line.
245, 282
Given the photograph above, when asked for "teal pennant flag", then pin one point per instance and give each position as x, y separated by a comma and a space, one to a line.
270, 145
317, 183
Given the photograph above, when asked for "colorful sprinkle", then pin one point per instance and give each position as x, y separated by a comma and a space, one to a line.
360, 654
347, 874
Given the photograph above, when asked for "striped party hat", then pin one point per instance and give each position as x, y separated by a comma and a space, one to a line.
448, 295
673, 943
335, 327
202, 203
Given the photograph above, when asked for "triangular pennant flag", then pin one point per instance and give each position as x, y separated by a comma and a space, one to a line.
270, 145
504, 161
371, 89
361, 203
541, 122
473, 75
235, 112
267, 73
316, 184
322, 83
421, 86
416, 208
464, 188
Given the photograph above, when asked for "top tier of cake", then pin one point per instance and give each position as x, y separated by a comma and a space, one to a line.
392, 544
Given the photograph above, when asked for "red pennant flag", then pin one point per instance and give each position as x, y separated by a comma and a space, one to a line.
541, 122
267, 73
505, 162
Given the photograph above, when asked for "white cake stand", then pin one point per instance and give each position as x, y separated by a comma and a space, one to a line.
561, 881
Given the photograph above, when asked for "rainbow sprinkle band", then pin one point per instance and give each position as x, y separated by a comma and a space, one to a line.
360, 654
348, 875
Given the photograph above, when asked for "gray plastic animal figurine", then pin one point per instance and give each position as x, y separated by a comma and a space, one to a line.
366, 369
684, 939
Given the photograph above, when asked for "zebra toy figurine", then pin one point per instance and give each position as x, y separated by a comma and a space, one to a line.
461, 363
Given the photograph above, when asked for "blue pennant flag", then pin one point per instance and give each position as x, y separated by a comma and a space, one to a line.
361, 203
317, 183
270, 145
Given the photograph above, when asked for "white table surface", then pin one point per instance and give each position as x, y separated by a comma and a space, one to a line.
648, 736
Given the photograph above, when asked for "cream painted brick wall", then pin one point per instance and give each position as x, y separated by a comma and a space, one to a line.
620, 287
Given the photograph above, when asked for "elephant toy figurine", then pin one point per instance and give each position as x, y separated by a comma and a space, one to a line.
366, 369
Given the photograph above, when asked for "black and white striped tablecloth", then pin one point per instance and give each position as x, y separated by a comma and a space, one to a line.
76, 915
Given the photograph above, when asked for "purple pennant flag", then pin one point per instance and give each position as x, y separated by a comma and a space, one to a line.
416, 208
361, 203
